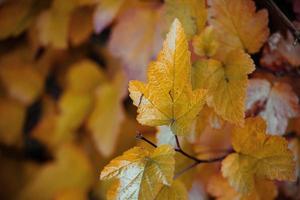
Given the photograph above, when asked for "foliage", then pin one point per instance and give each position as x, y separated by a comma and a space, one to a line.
166, 100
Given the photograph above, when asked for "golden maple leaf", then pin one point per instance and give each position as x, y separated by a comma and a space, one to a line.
226, 83
168, 98
238, 25
258, 155
141, 173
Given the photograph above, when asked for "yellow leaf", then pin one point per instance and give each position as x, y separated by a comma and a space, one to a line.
191, 13
237, 25
141, 173
12, 118
73, 109
168, 98
136, 39
257, 155
84, 76
206, 44
219, 188
107, 115
207, 119
295, 147
44, 130
53, 24
77, 101
81, 25
164, 135
70, 171
22, 82
176, 191
226, 83
16, 16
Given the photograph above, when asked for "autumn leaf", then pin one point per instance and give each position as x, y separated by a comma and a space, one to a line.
136, 39
21, 81
281, 52
71, 170
176, 191
213, 142
168, 98
282, 104
44, 131
277, 103
141, 173
257, 94
164, 136
84, 76
105, 12
12, 119
53, 24
16, 16
295, 147
226, 83
191, 13
237, 25
207, 119
219, 188
257, 155
205, 44
105, 120
80, 26
77, 101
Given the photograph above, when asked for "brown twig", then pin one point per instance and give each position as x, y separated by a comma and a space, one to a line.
180, 150
285, 19
141, 137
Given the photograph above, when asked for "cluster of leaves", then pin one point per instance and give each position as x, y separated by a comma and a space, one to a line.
216, 98
205, 89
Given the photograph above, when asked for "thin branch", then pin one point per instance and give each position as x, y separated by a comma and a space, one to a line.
214, 151
199, 162
180, 150
141, 137
285, 19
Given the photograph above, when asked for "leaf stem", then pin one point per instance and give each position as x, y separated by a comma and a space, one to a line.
141, 137
185, 169
285, 19
180, 150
